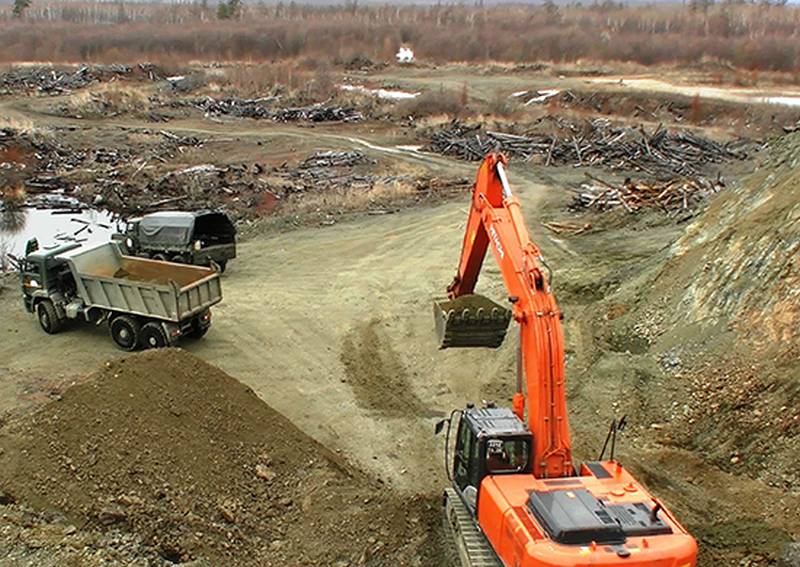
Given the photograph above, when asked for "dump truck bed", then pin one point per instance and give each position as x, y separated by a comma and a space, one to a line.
107, 279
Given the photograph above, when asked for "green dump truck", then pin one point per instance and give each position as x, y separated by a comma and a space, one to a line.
146, 303
200, 237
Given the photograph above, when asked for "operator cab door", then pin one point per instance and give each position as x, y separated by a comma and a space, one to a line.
32, 280
466, 465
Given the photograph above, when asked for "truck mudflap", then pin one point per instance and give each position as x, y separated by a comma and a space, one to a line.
470, 321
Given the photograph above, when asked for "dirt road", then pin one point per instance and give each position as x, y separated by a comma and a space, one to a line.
311, 304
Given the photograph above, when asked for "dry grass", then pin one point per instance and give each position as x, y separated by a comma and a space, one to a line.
433, 103
353, 199
108, 99
21, 125
752, 37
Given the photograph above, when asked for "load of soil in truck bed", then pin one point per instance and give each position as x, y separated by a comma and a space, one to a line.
195, 465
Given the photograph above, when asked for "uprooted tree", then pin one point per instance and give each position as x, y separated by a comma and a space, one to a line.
19, 7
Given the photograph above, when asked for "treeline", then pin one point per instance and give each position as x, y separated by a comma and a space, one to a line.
759, 37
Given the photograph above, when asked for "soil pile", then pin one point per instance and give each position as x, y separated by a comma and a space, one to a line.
190, 461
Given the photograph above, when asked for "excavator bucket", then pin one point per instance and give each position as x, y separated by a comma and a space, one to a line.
470, 321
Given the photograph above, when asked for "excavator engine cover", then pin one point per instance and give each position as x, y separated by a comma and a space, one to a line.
576, 517
470, 321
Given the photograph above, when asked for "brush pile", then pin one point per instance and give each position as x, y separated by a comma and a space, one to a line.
352, 172
662, 154
263, 109
48, 80
335, 159
672, 197
318, 113
232, 106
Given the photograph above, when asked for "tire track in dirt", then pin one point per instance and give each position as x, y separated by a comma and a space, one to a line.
376, 374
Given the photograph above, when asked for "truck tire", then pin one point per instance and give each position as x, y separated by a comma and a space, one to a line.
178, 259
222, 265
198, 332
125, 331
152, 335
159, 257
48, 317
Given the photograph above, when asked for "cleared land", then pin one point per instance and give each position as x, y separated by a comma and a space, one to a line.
331, 326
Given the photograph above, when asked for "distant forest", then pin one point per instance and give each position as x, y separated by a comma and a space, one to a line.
759, 37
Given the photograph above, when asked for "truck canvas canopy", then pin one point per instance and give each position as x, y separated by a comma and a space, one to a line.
180, 228
168, 228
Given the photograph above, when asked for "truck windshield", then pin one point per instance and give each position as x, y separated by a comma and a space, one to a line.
507, 455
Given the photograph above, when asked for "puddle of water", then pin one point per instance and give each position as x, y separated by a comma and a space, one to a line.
543, 95
380, 93
52, 226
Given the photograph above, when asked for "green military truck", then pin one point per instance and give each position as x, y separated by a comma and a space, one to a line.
198, 238
146, 303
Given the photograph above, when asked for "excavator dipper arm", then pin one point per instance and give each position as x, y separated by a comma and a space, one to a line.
496, 217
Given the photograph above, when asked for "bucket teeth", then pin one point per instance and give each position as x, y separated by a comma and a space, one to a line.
470, 321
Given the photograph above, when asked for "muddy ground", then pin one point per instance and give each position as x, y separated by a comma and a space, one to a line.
331, 326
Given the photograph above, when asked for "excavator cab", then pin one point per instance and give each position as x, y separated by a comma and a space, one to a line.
489, 441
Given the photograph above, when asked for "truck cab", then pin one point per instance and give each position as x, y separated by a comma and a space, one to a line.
44, 276
199, 238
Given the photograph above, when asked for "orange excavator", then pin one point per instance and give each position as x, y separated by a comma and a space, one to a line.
518, 498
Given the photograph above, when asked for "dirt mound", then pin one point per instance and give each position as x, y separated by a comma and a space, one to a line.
710, 329
168, 448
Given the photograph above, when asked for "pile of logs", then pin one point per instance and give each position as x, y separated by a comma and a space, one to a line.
670, 196
318, 113
236, 107
324, 171
661, 154
263, 108
335, 159
49, 80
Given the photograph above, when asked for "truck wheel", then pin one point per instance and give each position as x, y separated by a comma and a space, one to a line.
200, 325
198, 332
178, 259
48, 317
125, 331
222, 265
152, 335
159, 257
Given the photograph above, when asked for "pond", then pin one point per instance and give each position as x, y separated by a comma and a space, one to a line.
52, 220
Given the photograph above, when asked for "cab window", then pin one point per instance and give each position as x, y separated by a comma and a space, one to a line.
507, 455
31, 268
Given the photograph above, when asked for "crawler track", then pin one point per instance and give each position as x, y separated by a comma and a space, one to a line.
472, 548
